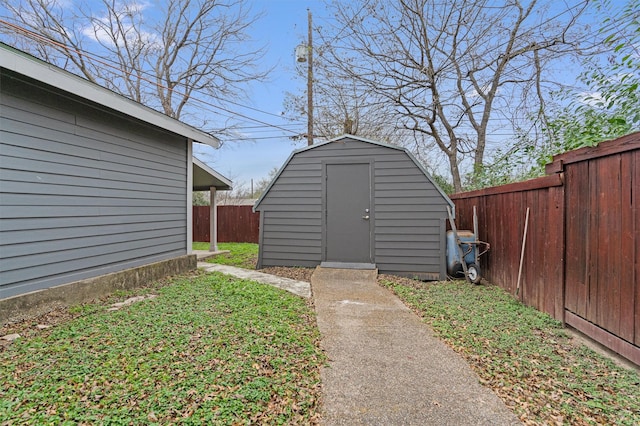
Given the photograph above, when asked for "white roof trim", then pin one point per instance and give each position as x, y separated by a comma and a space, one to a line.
27, 65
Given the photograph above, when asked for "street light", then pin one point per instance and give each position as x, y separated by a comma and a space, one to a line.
301, 53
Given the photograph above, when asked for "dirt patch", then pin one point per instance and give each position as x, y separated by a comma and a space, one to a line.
55, 313
407, 282
28, 326
294, 273
304, 274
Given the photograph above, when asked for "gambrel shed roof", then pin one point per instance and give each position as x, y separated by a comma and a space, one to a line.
361, 139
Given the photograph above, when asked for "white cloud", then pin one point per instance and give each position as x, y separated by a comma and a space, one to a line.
104, 31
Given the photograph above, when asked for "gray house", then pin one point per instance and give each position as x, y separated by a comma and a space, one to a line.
352, 202
91, 183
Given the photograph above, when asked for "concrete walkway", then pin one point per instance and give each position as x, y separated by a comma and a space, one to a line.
299, 288
206, 254
385, 365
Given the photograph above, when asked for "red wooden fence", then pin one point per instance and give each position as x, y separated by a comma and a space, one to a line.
602, 230
236, 224
501, 218
581, 261
201, 220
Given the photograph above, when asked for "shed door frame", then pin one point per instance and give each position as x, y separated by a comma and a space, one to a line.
359, 160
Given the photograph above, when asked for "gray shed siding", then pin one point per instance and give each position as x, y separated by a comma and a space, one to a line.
84, 191
408, 212
291, 217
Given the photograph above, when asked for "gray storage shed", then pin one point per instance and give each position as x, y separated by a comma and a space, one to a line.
353, 202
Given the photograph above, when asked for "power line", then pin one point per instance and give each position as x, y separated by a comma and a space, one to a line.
97, 59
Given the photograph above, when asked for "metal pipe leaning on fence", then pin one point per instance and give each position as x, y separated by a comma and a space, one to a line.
524, 243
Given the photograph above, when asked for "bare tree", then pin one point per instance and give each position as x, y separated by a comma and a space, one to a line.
158, 58
340, 108
447, 67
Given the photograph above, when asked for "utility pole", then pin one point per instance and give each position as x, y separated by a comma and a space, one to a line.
310, 84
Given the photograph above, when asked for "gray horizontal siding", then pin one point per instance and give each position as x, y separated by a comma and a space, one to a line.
17, 159
296, 229
288, 235
289, 262
408, 202
57, 259
44, 106
408, 214
44, 211
400, 239
21, 224
78, 146
406, 194
292, 222
299, 257
84, 191
286, 215
70, 200
400, 228
382, 244
399, 173
68, 245
44, 184
296, 192
51, 234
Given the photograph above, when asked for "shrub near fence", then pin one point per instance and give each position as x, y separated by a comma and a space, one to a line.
236, 224
581, 259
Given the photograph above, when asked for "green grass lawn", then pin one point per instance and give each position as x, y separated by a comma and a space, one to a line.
210, 349
526, 356
200, 246
242, 255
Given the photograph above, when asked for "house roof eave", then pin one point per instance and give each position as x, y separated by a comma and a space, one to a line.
22, 63
204, 177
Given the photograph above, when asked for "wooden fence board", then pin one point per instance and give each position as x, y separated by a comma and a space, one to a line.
238, 224
576, 231
635, 233
605, 276
201, 220
556, 220
591, 242
628, 255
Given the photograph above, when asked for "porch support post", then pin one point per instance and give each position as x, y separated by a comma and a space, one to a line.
213, 221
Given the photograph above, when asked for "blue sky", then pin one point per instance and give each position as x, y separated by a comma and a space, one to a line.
282, 28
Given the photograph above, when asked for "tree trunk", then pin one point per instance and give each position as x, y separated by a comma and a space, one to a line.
455, 171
